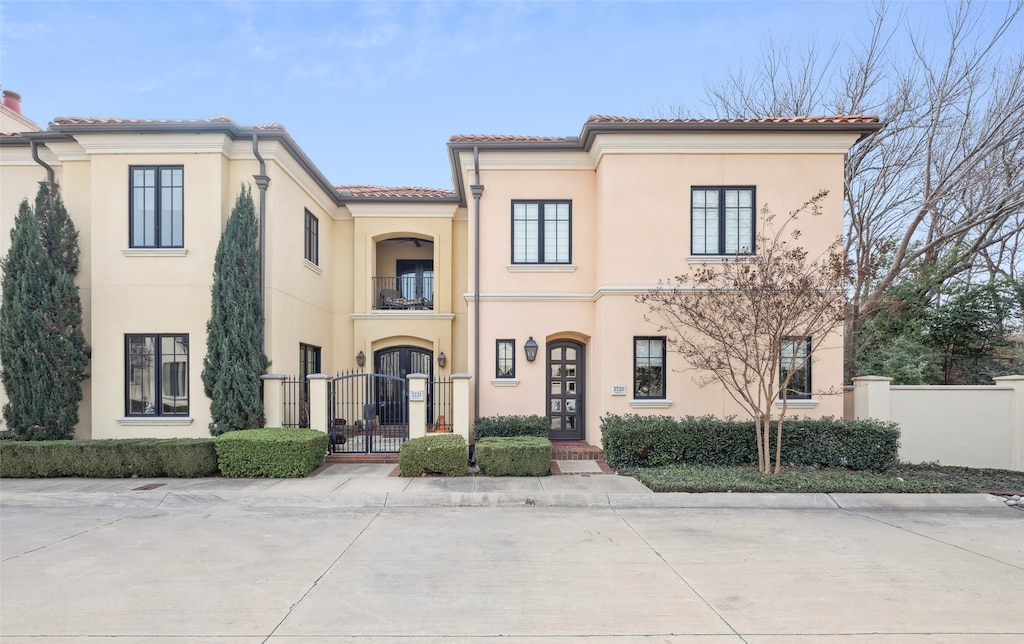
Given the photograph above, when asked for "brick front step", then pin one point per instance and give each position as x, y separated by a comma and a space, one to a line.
575, 451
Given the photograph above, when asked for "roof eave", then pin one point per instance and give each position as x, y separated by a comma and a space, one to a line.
592, 129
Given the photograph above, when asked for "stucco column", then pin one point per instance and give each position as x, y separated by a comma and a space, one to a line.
273, 399
460, 404
318, 400
417, 405
871, 398
1017, 422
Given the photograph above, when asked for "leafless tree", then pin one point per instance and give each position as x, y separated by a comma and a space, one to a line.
730, 320
942, 184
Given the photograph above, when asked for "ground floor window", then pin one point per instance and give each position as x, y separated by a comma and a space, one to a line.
795, 358
309, 363
156, 375
505, 359
648, 367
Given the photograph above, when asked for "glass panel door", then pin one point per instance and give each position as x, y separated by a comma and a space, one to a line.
565, 390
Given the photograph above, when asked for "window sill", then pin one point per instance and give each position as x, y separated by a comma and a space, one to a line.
799, 403
154, 420
541, 268
313, 267
720, 259
650, 403
505, 382
154, 252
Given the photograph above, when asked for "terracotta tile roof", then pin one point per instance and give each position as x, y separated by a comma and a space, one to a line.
93, 120
394, 192
842, 118
10, 133
503, 138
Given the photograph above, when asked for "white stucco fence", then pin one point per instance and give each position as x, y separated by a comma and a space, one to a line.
972, 426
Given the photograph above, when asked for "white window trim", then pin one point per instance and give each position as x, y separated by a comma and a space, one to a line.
798, 403
505, 382
154, 252
313, 267
745, 258
541, 268
156, 420
650, 403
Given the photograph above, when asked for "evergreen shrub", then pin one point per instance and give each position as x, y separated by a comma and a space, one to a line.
115, 458
287, 452
514, 455
437, 454
511, 426
653, 441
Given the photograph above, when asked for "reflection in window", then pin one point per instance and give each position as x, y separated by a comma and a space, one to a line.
156, 373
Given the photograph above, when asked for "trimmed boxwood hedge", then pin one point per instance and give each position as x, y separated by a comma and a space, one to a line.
487, 426
514, 455
435, 454
652, 441
113, 458
287, 452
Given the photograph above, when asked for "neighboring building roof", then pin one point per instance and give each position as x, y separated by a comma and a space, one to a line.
505, 138
841, 118
403, 192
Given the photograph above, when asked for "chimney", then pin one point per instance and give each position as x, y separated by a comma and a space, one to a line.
12, 101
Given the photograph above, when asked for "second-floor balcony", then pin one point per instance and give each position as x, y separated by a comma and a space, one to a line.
409, 292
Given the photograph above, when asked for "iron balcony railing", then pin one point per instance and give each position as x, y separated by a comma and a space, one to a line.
404, 293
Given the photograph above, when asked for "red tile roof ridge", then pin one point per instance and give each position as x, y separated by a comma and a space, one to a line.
95, 120
392, 191
838, 118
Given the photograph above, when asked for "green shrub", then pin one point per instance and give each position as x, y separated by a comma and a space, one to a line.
511, 426
438, 454
513, 455
272, 453
124, 458
655, 441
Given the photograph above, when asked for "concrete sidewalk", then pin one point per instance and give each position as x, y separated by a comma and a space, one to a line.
353, 555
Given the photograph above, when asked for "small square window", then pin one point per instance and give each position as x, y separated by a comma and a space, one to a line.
722, 221
541, 232
505, 356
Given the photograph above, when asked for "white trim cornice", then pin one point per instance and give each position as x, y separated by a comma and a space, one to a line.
529, 160
723, 143
413, 209
121, 143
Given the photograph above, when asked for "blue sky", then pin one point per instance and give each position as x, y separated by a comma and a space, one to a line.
372, 91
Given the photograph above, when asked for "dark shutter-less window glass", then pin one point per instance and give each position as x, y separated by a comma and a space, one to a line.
312, 238
157, 207
648, 367
722, 221
156, 375
795, 357
506, 359
541, 232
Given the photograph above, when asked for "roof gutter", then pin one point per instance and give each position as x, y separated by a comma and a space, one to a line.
262, 182
35, 157
478, 191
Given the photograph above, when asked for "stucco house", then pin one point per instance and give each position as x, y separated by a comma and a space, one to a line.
538, 250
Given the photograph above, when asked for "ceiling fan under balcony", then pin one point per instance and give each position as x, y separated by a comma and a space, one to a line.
415, 240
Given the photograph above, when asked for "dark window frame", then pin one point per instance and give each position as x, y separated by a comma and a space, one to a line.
158, 231
721, 221
803, 392
158, 376
307, 351
311, 238
637, 395
541, 259
498, 360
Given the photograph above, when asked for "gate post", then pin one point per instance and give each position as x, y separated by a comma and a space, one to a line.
318, 400
417, 405
273, 399
460, 404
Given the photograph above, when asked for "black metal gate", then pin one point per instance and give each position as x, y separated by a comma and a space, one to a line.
369, 413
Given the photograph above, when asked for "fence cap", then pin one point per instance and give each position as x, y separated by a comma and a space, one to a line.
319, 376
417, 376
461, 376
273, 376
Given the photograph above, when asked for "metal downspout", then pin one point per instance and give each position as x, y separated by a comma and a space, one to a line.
262, 182
49, 171
477, 190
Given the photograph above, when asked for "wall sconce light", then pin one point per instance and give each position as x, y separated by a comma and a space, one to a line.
360, 359
442, 359
531, 349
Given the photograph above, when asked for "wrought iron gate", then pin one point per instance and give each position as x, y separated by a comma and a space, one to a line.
369, 413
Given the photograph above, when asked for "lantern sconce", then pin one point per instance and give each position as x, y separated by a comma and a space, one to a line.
360, 359
442, 359
531, 349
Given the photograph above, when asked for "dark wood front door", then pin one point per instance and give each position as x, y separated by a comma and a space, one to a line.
399, 362
566, 385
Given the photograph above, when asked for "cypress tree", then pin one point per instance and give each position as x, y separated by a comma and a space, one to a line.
234, 334
42, 346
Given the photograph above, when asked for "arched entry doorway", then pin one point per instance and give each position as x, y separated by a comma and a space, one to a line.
399, 362
566, 385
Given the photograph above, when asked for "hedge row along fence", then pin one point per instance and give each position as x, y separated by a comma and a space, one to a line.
274, 453
652, 441
487, 426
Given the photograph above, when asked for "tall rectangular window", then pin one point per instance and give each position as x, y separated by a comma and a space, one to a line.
312, 238
541, 232
156, 375
648, 367
795, 358
156, 195
722, 221
505, 359
309, 362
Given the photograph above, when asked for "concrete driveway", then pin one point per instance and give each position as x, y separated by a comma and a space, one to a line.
216, 560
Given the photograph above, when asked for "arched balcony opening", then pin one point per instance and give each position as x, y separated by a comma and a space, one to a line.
404, 274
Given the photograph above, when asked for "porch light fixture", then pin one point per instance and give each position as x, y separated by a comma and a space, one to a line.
442, 359
531, 349
360, 359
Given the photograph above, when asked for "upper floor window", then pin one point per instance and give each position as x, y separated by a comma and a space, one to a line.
541, 232
795, 358
722, 221
505, 359
648, 367
312, 238
157, 207
156, 374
